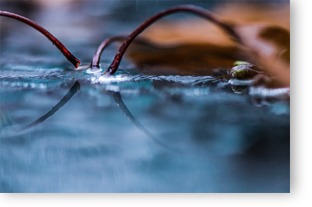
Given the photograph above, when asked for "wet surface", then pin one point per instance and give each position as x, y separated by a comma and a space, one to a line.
130, 132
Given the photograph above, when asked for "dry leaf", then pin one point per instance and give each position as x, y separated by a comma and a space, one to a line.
269, 48
183, 59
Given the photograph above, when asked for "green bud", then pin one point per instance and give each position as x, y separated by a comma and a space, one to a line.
239, 62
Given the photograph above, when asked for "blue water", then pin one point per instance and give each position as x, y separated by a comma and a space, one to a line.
176, 134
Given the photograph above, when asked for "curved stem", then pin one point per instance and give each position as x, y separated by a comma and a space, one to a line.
70, 57
183, 8
96, 58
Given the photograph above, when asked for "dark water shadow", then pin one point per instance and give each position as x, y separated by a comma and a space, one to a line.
73, 90
136, 123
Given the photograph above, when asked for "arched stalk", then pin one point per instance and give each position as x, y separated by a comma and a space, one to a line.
70, 57
183, 8
96, 58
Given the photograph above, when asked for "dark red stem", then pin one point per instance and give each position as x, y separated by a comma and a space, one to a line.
70, 57
96, 58
183, 8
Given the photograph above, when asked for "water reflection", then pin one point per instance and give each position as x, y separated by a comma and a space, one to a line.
135, 122
226, 143
73, 90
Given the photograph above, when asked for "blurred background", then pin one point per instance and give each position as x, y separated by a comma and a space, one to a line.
85, 24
